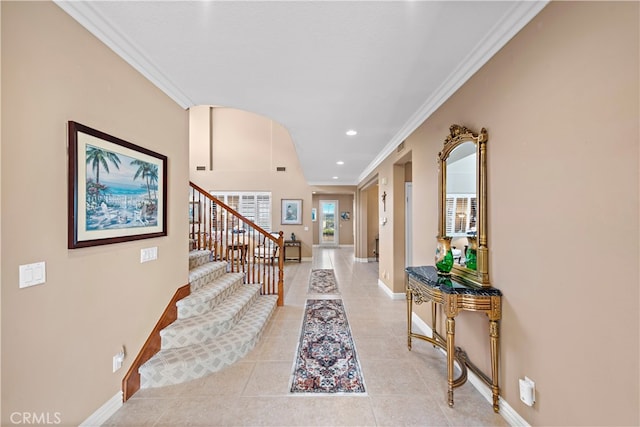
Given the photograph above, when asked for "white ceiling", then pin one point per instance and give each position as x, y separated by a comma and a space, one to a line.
317, 67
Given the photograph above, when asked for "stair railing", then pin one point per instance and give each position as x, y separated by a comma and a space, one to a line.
231, 237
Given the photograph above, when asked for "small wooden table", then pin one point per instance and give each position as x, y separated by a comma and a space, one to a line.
293, 244
243, 248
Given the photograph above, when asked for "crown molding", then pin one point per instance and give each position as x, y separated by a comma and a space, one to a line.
513, 21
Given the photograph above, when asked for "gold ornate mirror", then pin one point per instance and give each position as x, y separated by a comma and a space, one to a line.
462, 188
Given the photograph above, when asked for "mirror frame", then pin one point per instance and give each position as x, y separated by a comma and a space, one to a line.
457, 136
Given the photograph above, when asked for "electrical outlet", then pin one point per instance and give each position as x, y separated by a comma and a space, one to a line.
117, 360
527, 391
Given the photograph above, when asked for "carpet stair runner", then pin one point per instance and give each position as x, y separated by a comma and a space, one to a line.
218, 324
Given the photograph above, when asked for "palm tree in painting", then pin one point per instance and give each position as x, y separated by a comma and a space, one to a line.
148, 172
98, 157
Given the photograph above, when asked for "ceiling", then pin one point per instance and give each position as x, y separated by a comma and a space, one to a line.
319, 68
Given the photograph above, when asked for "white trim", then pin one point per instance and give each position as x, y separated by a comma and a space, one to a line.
306, 258
514, 20
361, 259
506, 411
390, 294
102, 414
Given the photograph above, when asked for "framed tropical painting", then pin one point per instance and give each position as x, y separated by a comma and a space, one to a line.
117, 190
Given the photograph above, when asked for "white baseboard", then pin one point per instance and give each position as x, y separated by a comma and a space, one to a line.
103, 413
506, 411
370, 259
390, 294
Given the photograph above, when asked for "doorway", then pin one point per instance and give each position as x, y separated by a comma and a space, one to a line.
408, 225
328, 223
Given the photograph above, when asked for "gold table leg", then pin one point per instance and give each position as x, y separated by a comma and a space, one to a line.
494, 338
434, 320
451, 328
409, 311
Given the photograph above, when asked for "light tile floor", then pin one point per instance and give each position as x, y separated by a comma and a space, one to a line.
404, 388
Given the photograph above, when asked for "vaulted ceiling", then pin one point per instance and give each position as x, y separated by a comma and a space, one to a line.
319, 68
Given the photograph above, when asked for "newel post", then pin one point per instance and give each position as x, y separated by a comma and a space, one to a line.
281, 269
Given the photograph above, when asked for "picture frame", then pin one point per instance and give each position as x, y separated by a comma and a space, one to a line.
345, 215
291, 212
117, 191
194, 212
314, 215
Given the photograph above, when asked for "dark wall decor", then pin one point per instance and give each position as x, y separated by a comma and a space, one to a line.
117, 190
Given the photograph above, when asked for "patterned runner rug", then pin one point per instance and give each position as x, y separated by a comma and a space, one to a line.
323, 281
326, 360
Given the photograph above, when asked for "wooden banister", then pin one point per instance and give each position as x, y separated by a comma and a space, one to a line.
230, 236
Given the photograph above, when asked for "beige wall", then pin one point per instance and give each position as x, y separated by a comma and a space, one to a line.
59, 338
560, 103
245, 149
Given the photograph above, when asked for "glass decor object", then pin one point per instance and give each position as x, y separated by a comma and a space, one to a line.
471, 257
444, 256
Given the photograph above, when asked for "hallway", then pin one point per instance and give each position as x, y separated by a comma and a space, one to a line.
402, 387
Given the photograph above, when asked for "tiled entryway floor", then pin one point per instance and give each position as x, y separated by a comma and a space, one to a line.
404, 388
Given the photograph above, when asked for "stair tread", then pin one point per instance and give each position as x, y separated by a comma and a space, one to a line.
199, 257
208, 267
218, 314
241, 333
211, 290
198, 252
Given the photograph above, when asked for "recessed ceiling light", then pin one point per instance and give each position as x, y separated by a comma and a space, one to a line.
339, 162
335, 177
352, 132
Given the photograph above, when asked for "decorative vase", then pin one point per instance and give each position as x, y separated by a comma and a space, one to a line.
293, 237
444, 256
445, 281
471, 257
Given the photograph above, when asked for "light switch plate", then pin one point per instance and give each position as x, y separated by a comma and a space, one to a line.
148, 254
32, 274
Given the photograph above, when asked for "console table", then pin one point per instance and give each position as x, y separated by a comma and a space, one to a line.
424, 284
293, 244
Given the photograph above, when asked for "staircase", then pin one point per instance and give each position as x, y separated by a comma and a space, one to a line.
217, 324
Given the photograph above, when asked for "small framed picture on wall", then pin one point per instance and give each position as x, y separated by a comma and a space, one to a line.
291, 211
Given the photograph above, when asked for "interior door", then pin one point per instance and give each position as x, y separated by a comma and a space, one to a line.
329, 223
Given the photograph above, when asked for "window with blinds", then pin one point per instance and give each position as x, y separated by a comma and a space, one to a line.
255, 206
461, 214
